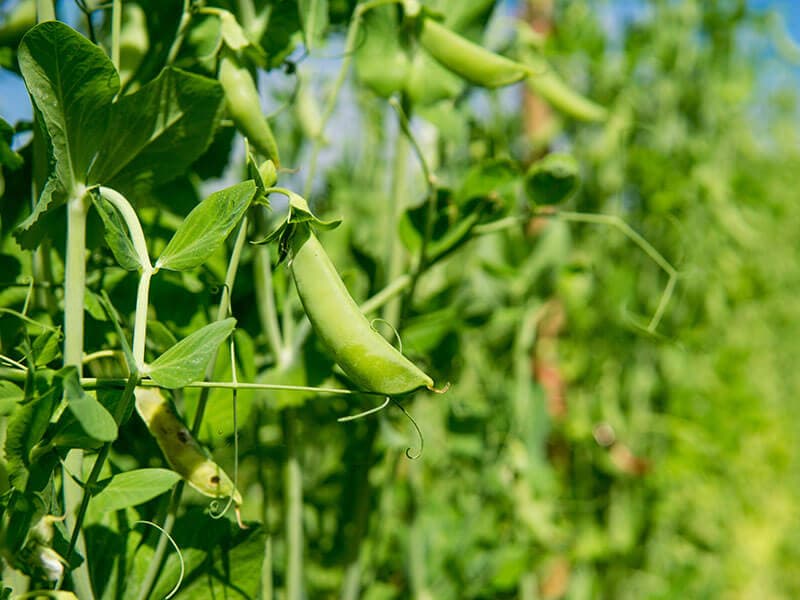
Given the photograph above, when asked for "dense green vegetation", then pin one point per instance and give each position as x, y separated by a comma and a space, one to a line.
586, 237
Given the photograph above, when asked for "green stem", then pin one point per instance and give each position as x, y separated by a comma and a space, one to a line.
628, 231
394, 289
394, 249
161, 547
222, 311
45, 11
116, 27
93, 383
333, 96
75, 280
430, 213
131, 219
140, 320
293, 486
265, 300
140, 246
74, 290
183, 26
122, 408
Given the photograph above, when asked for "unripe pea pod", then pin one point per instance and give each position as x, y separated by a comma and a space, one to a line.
371, 362
474, 63
244, 106
182, 451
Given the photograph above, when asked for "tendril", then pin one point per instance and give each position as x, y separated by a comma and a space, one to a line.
419, 433
365, 413
396, 334
177, 550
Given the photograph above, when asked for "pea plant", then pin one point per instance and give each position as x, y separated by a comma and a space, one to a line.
196, 293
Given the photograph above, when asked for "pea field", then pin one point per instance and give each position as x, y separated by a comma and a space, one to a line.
399, 299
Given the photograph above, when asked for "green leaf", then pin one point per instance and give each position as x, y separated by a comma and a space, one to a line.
116, 235
314, 19
186, 361
206, 227
452, 224
495, 180
218, 418
93, 417
72, 83
132, 488
26, 426
10, 395
47, 347
156, 133
553, 179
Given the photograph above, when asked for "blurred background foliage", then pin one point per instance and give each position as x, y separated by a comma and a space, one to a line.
577, 454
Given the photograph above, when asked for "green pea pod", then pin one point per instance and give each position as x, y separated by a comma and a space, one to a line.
546, 82
371, 362
181, 450
474, 63
244, 106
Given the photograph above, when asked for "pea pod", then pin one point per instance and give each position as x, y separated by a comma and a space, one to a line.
181, 450
244, 106
474, 63
371, 362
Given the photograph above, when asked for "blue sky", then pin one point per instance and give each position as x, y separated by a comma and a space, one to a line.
14, 103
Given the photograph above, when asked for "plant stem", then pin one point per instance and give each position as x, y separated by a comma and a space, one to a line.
161, 547
45, 11
93, 383
293, 486
122, 407
75, 281
361, 458
431, 200
74, 290
622, 226
394, 250
265, 299
116, 27
140, 320
128, 215
380, 299
222, 311
333, 96
183, 25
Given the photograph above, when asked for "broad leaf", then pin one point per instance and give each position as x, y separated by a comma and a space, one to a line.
186, 361
553, 179
10, 395
93, 417
72, 83
26, 426
206, 227
132, 488
495, 180
116, 234
47, 346
156, 133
